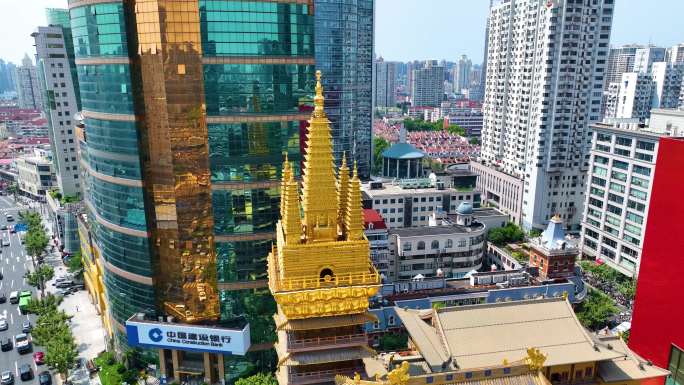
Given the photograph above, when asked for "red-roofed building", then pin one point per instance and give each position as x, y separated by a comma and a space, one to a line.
377, 234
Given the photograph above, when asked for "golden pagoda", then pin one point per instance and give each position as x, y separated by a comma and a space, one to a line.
320, 272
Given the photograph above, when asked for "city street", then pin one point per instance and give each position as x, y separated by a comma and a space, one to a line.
14, 263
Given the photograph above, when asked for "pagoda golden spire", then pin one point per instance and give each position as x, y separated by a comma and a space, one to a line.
292, 221
354, 217
343, 193
287, 171
319, 185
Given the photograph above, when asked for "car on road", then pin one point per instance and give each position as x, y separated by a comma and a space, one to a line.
64, 284
60, 279
1, 276
3, 325
6, 345
44, 378
9, 217
22, 342
3, 298
14, 297
25, 372
26, 326
6, 378
39, 358
3, 227
5, 242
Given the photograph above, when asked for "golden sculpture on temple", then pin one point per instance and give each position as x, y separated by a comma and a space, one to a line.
535, 359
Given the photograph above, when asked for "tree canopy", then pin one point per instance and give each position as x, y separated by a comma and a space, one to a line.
422, 125
258, 379
39, 277
52, 331
596, 310
510, 233
379, 146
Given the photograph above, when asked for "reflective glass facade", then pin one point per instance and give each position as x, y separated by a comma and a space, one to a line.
112, 136
111, 148
99, 30
256, 88
106, 88
344, 53
255, 74
251, 151
256, 28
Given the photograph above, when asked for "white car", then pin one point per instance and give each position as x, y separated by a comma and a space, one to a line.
3, 325
5, 242
7, 378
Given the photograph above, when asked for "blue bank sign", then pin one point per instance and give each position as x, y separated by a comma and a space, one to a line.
161, 335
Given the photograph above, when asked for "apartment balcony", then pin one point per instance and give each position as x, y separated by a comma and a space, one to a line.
332, 342
321, 376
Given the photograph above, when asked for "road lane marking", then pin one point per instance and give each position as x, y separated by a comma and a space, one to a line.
12, 284
18, 311
12, 267
12, 318
16, 367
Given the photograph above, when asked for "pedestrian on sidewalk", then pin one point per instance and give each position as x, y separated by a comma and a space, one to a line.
76, 308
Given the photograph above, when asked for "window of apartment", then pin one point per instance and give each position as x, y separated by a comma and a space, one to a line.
596, 202
462, 243
384, 201
435, 245
636, 205
636, 230
392, 201
631, 239
377, 201
594, 213
619, 176
606, 252
598, 181
641, 182
637, 193
614, 209
600, 171
421, 245
612, 220
400, 200
644, 157
642, 145
600, 159
622, 141
628, 251
620, 164
601, 137
641, 170
390, 320
622, 152
615, 198
449, 243
636, 218
617, 187
597, 191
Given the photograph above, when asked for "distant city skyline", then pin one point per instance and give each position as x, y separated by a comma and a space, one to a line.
405, 29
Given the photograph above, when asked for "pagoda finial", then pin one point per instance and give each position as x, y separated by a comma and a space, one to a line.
319, 186
354, 217
319, 99
286, 174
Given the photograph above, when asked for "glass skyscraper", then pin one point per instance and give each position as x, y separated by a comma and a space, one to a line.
344, 53
188, 107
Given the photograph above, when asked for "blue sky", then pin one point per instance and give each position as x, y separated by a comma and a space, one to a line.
405, 29
446, 29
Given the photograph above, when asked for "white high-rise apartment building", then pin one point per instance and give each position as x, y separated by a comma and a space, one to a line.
385, 83
462, 74
675, 54
545, 67
61, 105
28, 90
620, 60
644, 58
631, 97
667, 79
427, 85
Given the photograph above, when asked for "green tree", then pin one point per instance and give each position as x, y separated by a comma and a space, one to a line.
49, 325
75, 265
628, 289
456, 130
595, 311
510, 233
44, 305
61, 352
391, 341
379, 146
39, 277
258, 379
474, 141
